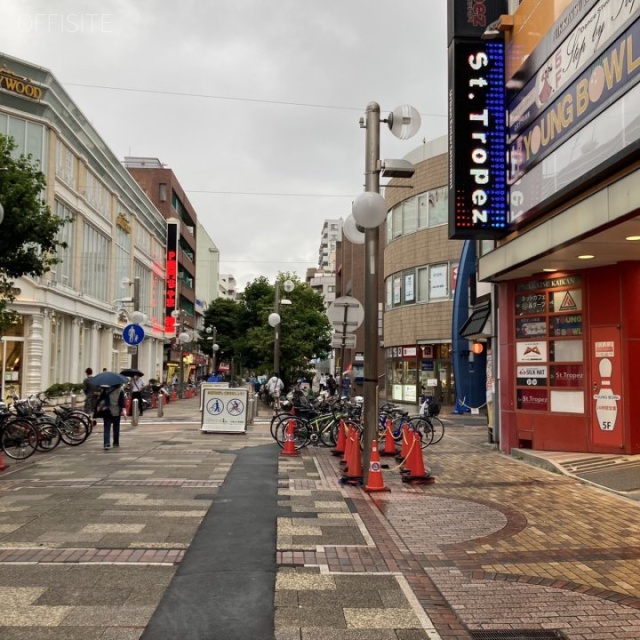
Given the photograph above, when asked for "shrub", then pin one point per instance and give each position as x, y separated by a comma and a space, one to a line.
63, 389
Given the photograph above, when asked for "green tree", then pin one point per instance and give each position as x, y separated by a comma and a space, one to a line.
28, 241
305, 330
226, 317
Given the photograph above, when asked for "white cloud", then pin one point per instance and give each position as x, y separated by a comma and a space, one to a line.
262, 53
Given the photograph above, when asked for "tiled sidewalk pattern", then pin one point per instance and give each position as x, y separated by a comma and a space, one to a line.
90, 540
493, 544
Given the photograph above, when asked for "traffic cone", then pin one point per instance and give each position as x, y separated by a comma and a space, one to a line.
154, 400
342, 440
347, 447
3, 466
417, 473
389, 442
375, 481
289, 448
174, 395
353, 474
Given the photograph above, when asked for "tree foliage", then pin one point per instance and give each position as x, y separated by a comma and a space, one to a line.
305, 330
28, 241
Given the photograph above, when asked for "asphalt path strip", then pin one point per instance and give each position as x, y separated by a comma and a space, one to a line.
224, 587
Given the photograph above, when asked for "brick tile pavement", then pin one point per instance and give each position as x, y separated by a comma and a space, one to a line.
495, 544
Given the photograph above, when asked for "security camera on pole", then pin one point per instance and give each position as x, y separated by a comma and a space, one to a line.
369, 212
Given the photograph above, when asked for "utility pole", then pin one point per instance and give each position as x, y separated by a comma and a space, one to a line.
371, 340
181, 371
136, 307
276, 339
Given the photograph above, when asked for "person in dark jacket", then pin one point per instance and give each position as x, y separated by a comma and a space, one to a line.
90, 392
332, 385
110, 407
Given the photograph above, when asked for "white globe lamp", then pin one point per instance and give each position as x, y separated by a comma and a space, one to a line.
369, 210
274, 319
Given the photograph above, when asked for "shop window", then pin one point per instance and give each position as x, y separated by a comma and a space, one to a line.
549, 348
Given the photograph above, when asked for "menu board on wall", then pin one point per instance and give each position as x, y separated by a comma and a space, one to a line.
531, 327
531, 303
549, 325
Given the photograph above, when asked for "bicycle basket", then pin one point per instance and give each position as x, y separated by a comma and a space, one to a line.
433, 408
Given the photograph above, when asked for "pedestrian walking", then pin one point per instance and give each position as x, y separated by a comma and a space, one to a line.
332, 385
138, 384
322, 383
110, 407
90, 392
275, 387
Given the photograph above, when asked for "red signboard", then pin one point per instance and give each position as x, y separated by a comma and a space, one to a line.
533, 399
172, 277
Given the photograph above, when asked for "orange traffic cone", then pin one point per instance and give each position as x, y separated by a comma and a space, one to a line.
289, 448
154, 401
342, 440
3, 466
174, 395
417, 473
353, 474
375, 481
344, 461
389, 442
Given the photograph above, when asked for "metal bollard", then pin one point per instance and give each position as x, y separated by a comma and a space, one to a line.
73, 400
250, 411
135, 412
160, 405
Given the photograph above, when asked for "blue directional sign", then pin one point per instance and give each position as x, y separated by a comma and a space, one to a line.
133, 334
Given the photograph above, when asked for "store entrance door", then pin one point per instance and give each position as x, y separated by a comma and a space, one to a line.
12, 366
446, 390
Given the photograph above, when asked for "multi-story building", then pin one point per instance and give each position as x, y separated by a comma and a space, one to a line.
324, 282
73, 317
162, 187
558, 238
227, 286
207, 267
420, 271
330, 236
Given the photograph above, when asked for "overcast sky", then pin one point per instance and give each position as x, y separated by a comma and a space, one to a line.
254, 104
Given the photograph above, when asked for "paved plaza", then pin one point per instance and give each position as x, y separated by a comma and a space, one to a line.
185, 535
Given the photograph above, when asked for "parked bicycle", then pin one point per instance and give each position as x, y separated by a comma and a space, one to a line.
18, 438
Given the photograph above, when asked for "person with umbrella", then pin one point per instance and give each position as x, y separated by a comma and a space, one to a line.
110, 405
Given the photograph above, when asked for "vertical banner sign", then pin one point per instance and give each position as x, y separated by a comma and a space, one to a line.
172, 276
470, 18
477, 140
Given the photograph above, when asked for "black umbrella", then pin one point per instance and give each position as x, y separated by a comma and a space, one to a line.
131, 372
108, 379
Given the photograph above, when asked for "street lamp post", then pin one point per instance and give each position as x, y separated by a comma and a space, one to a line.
369, 212
274, 321
214, 346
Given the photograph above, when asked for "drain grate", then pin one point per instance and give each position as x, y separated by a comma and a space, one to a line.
523, 634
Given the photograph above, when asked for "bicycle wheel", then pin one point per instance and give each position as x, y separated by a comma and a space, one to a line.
438, 429
83, 416
19, 439
327, 432
275, 421
49, 435
301, 431
424, 428
73, 431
